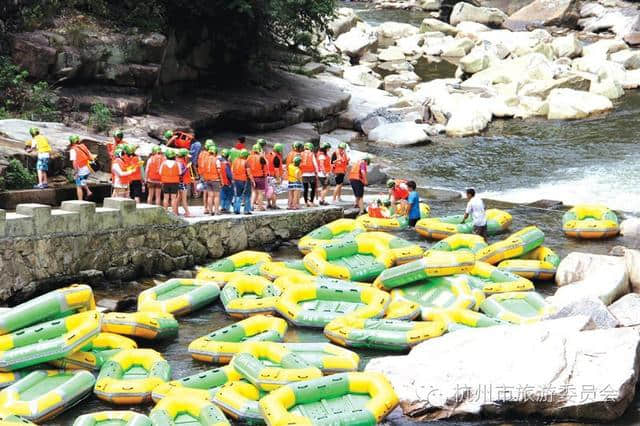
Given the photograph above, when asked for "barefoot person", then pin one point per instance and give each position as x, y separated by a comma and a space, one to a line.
358, 180
339, 165
475, 209
80, 158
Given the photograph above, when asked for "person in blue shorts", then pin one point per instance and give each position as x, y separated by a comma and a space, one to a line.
414, 204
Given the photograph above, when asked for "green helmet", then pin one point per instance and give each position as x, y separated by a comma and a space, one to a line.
256, 148
118, 134
297, 160
118, 151
308, 145
391, 183
325, 145
34, 131
183, 152
244, 153
367, 160
261, 142
278, 148
129, 149
156, 149
168, 134
225, 153
213, 149
298, 146
342, 145
208, 143
74, 139
170, 154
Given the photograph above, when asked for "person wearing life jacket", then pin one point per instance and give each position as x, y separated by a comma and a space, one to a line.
226, 182
136, 189
375, 210
210, 172
324, 170
274, 170
152, 178
40, 144
171, 172
80, 158
294, 182
296, 151
339, 165
398, 190
118, 139
358, 180
309, 168
242, 183
120, 174
258, 166
185, 180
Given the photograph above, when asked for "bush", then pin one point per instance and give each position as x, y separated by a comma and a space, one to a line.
100, 117
18, 177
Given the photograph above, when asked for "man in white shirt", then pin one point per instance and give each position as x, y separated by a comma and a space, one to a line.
475, 208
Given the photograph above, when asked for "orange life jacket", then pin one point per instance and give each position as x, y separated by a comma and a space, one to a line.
153, 167
209, 169
170, 172
290, 156
186, 178
399, 191
324, 162
111, 147
255, 165
83, 156
181, 140
375, 211
239, 169
271, 168
341, 162
133, 163
354, 174
306, 166
123, 168
224, 179
204, 154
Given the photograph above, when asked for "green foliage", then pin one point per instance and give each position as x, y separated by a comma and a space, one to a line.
18, 177
290, 21
100, 117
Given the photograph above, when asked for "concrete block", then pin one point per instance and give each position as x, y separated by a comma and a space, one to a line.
146, 214
106, 218
3, 222
86, 211
125, 205
41, 214
62, 221
18, 225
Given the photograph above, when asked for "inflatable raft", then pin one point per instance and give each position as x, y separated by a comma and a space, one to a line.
402, 250
325, 356
224, 343
178, 296
315, 305
130, 376
96, 353
248, 295
515, 245
539, 264
9, 377
43, 394
388, 335
147, 325
457, 319
353, 259
113, 418
186, 411
331, 232
204, 384
438, 228
47, 341
433, 264
402, 310
590, 221
519, 307
7, 419
394, 223
246, 262
53, 305
490, 279
291, 268
460, 242
363, 399
239, 400
452, 292
268, 370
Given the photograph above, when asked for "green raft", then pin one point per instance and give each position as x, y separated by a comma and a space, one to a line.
205, 384
518, 307
43, 394
113, 418
186, 411
11, 420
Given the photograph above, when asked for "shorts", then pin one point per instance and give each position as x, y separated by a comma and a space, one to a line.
261, 183
183, 186
412, 222
212, 185
135, 189
154, 185
310, 180
270, 188
43, 164
324, 181
480, 230
339, 178
170, 188
358, 188
82, 180
295, 186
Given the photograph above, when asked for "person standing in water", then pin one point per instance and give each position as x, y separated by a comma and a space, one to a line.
475, 209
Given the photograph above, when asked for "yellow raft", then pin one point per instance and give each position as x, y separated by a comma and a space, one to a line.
293, 268
178, 296
438, 228
113, 418
336, 230
239, 400
224, 343
520, 307
248, 295
590, 222
245, 262
96, 353
402, 250
201, 385
460, 242
516, 245
147, 325
394, 223
130, 376
363, 399
183, 410
539, 264
7, 419
490, 279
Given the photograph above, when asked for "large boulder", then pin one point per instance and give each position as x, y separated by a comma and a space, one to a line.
568, 46
586, 275
457, 48
553, 369
431, 25
627, 310
483, 15
568, 104
358, 40
602, 48
402, 134
389, 32
475, 61
393, 53
470, 117
587, 306
607, 87
630, 59
621, 21
632, 262
542, 88
544, 12
361, 75
630, 227
345, 19
405, 80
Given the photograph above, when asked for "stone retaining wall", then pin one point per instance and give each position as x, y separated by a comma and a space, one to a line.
43, 248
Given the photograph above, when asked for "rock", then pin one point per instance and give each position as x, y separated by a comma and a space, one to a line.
542, 88
607, 87
33, 53
430, 5
406, 79
389, 32
401, 134
620, 21
475, 61
632, 263
567, 47
632, 39
567, 382
544, 13
392, 53
393, 67
457, 48
584, 274
356, 41
627, 310
469, 118
617, 251
630, 227
531, 106
372, 122
434, 25
312, 68
630, 59
375, 175
568, 104
468, 27
361, 75
345, 19
483, 15
602, 48
590, 307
